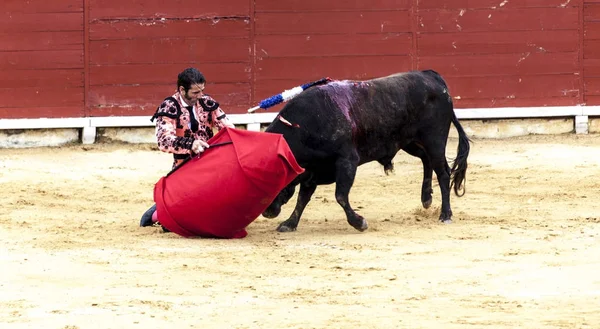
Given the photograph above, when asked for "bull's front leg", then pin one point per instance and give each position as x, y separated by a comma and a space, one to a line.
344, 178
306, 191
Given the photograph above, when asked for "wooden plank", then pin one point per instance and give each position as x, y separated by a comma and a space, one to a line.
339, 5
59, 59
151, 95
528, 63
35, 112
591, 67
41, 97
294, 71
41, 78
102, 9
591, 30
131, 74
591, 12
592, 86
496, 4
10, 23
132, 29
333, 45
515, 102
591, 48
530, 86
333, 22
592, 99
501, 42
175, 50
479, 20
42, 6
42, 41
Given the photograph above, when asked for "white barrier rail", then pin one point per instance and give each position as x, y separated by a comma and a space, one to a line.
253, 121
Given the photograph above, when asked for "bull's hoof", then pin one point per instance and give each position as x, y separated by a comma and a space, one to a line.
360, 224
427, 204
270, 215
284, 228
446, 217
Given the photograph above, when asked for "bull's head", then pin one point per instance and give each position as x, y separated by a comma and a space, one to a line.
282, 198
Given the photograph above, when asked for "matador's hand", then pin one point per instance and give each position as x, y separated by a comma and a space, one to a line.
199, 146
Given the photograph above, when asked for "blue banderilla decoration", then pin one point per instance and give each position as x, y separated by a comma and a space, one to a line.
287, 95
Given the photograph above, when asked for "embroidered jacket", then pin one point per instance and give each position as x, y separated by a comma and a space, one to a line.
178, 125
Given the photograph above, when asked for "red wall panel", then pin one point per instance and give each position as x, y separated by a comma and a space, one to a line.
591, 67
143, 100
36, 79
495, 4
516, 64
493, 53
322, 45
129, 74
110, 52
329, 6
41, 96
332, 22
49, 111
137, 51
514, 86
109, 9
304, 69
590, 48
41, 6
41, 58
478, 20
199, 28
591, 12
41, 41
501, 42
36, 60
36, 22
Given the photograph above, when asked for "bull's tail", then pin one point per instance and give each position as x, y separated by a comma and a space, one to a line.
458, 172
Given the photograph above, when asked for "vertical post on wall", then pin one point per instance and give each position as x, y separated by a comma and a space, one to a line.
86, 56
580, 50
88, 134
252, 40
414, 27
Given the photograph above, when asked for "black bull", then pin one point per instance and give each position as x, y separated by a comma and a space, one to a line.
334, 128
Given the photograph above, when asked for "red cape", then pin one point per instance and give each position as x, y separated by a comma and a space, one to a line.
221, 191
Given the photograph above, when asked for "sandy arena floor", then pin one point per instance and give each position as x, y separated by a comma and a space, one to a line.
523, 251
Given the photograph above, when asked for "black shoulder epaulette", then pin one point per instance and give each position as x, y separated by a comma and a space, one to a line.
169, 115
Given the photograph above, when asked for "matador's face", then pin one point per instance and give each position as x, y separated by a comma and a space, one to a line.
193, 94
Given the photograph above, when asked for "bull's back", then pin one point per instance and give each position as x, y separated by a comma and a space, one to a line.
396, 107
376, 116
